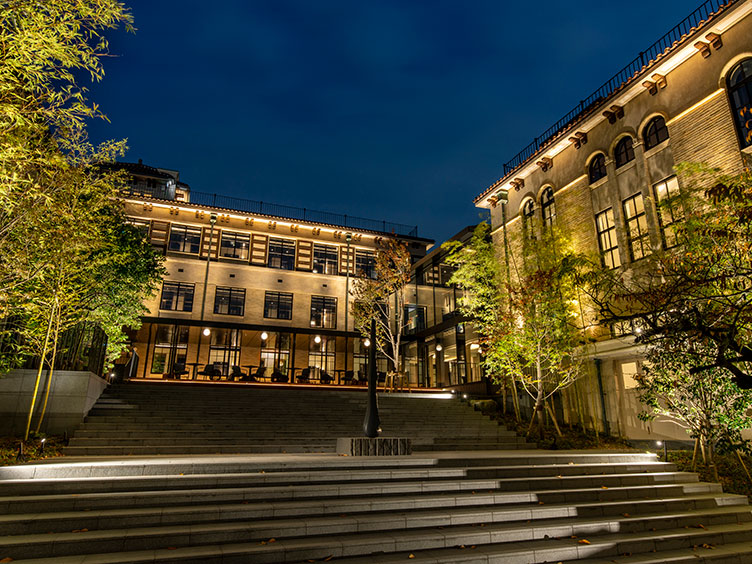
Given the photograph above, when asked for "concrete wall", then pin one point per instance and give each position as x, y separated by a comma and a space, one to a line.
71, 397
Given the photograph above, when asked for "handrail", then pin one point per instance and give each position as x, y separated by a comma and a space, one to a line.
675, 36
276, 210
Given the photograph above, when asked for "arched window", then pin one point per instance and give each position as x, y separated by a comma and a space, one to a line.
740, 96
623, 152
656, 132
548, 209
528, 213
597, 168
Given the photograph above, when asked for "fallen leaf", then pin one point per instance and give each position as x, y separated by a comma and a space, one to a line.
272, 540
625, 514
604, 487
583, 541
699, 526
411, 555
8, 559
172, 548
328, 558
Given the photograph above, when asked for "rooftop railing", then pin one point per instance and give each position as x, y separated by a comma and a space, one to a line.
277, 210
680, 32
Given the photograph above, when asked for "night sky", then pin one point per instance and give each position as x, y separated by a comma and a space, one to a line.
403, 110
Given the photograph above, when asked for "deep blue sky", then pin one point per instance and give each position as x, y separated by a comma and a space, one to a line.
402, 110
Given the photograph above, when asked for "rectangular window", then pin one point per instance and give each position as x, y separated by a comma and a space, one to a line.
234, 245
324, 259
637, 227
229, 301
609, 247
275, 354
184, 239
415, 319
365, 264
170, 349
323, 312
224, 349
321, 355
278, 305
281, 254
177, 296
670, 210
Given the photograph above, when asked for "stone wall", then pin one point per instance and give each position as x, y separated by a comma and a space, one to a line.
71, 397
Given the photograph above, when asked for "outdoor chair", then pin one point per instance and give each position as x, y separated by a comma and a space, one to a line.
211, 371
305, 375
237, 374
349, 377
326, 378
278, 376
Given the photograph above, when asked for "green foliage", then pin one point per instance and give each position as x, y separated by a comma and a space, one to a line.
700, 289
705, 400
67, 255
372, 299
524, 309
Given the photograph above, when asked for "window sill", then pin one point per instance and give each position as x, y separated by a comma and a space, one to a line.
657, 149
625, 167
599, 182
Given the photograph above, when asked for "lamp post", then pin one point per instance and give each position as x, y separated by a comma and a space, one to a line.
348, 238
212, 221
372, 422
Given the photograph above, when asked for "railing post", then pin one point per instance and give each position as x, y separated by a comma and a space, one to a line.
214, 200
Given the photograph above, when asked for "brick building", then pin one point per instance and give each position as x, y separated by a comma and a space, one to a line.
600, 170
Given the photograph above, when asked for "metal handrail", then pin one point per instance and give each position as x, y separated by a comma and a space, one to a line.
276, 210
646, 58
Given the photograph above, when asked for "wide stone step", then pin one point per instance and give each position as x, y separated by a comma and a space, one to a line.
511, 542
110, 540
356, 497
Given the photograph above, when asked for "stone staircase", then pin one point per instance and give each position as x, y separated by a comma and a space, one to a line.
168, 419
515, 506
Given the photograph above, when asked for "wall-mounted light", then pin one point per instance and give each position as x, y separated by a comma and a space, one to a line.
264, 336
317, 339
367, 343
207, 332
439, 348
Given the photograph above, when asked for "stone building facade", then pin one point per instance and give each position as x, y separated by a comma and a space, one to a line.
601, 170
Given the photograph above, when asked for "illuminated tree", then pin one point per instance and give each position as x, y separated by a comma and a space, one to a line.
373, 298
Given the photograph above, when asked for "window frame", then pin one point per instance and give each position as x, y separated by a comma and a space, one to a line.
671, 203
281, 302
598, 169
548, 207
365, 263
181, 244
653, 135
329, 260
638, 221
232, 295
624, 154
282, 258
324, 312
234, 236
182, 291
735, 91
608, 244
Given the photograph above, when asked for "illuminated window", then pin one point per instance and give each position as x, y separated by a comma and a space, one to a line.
656, 132
623, 152
229, 301
177, 296
184, 239
637, 227
234, 245
548, 208
323, 312
670, 210
324, 259
597, 168
740, 97
365, 264
607, 243
281, 254
278, 305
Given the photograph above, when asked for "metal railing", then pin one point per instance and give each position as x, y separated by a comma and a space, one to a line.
678, 34
277, 210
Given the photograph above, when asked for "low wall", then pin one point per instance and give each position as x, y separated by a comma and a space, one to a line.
71, 397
